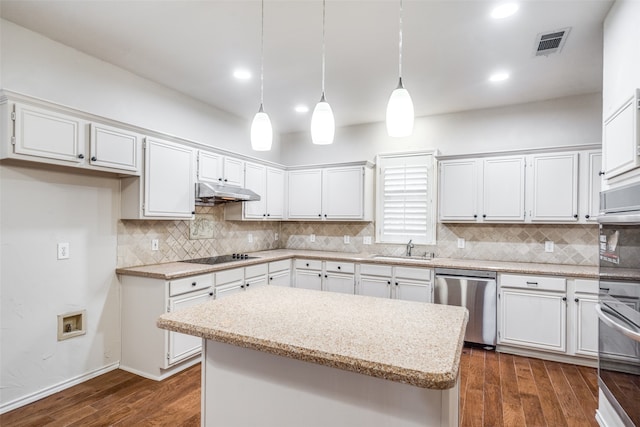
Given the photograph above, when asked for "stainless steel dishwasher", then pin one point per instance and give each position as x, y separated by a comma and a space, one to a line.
475, 290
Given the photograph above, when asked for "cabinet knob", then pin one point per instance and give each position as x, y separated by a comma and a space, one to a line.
325, 215
242, 286
307, 264
264, 214
319, 275
94, 158
193, 212
484, 215
270, 278
576, 300
325, 276
194, 283
475, 215
396, 283
219, 179
339, 267
225, 180
268, 214
576, 216
320, 215
210, 294
601, 173
248, 284
81, 156
564, 298
388, 282
587, 216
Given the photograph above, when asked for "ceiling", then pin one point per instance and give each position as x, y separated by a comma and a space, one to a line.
450, 49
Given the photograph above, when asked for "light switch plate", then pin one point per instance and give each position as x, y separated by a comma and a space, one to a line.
312, 238
154, 244
461, 243
548, 246
250, 237
366, 240
347, 239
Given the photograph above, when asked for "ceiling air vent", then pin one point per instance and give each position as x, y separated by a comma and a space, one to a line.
551, 42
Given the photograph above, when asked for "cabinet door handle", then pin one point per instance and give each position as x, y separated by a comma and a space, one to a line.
225, 180
219, 179
532, 283
564, 298
81, 156
270, 278
242, 286
396, 283
576, 300
268, 214
264, 214
475, 215
319, 275
576, 216
320, 215
587, 216
388, 282
210, 294
325, 215
94, 158
248, 284
601, 173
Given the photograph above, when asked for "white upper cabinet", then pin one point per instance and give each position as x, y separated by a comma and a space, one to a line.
621, 143
503, 189
268, 183
331, 193
114, 148
458, 190
214, 167
305, 194
166, 190
490, 189
50, 135
590, 185
554, 187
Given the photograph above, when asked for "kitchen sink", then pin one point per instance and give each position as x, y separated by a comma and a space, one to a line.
426, 257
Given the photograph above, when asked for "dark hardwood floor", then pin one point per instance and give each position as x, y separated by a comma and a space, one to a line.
495, 390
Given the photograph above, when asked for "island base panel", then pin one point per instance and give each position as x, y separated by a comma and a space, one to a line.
244, 387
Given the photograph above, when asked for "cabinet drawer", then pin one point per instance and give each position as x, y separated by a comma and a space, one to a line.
189, 284
274, 266
547, 283
255, 270
414, 273
375, 270
308, 264
229, 276
340, 267
587, 286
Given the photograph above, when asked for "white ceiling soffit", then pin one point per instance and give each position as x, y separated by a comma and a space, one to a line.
450, 48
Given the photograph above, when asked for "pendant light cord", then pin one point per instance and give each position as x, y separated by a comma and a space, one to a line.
323, 47
400, 46
262, 56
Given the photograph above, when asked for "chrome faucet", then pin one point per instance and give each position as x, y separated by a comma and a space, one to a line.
409, 247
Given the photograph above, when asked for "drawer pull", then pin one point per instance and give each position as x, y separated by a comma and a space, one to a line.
533, 284
338, 267
194, 283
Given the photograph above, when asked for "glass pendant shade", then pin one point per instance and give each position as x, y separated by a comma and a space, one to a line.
261, 131
323, 126
400, 114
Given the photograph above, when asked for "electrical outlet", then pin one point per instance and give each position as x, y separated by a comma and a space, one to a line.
347, 239
250, 237
548, 246
63, 250
312, 238
366, 240
275, 236
461, 243
154, 244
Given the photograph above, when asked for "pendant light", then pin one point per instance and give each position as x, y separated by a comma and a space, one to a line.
261, 130
323, 125
400, 113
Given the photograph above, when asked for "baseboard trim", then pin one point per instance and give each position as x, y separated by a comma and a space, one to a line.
30, 398
166, 373
562, 358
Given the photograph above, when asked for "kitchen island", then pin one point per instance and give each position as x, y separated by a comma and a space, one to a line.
289, 357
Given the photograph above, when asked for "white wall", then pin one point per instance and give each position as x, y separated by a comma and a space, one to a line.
42, 68
39, 208
572, 120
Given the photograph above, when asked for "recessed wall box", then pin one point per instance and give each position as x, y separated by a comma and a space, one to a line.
71, 324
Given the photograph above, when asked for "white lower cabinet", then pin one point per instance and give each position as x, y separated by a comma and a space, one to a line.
146, 350
280, 273
229, 282
308, 274
584, 318
405, 283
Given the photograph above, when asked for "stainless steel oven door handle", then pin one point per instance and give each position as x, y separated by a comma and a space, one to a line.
615, 325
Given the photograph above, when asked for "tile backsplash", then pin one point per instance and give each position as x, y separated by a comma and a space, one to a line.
211, 235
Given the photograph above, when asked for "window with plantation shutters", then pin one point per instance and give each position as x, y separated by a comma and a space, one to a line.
405, 208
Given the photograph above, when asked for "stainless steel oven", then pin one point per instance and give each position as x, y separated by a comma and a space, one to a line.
618, 308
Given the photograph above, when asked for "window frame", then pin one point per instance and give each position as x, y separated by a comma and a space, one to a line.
386, 160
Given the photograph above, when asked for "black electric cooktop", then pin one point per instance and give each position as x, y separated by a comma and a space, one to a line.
220, 259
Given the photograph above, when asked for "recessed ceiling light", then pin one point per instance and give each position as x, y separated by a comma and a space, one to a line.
499, 77
504, 10
242, 74
301, 109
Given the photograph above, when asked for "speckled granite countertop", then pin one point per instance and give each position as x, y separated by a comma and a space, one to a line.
409, 342
175, 270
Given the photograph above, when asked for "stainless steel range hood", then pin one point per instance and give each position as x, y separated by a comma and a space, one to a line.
208, 194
